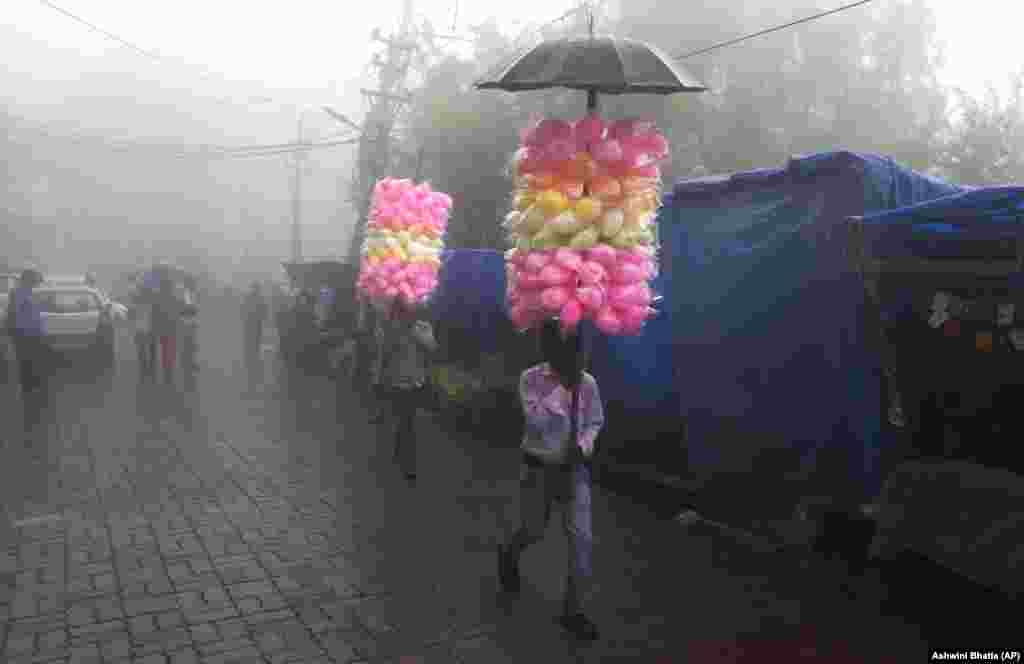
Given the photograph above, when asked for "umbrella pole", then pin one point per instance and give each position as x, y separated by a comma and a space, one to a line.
592, 108
574, 416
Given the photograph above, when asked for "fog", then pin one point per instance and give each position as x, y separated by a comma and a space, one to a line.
103, 148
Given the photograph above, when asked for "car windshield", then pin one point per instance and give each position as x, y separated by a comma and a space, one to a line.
66, 302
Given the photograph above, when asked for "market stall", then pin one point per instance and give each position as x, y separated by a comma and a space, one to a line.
947, 280
321, 312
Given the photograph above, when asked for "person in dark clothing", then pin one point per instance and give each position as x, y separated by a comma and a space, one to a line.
25, 328
190, 327
167, 309
406, 344
254, 315
145, 343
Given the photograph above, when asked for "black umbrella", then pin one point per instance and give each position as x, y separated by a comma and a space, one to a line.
608, 65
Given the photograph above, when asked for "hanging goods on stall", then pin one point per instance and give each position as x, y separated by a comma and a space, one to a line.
401, 256
582, 225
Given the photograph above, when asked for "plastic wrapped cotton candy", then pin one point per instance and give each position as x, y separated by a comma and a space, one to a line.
401, 256
583, 223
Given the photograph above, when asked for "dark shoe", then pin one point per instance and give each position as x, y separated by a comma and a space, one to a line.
508, 572
410, 478
579, 626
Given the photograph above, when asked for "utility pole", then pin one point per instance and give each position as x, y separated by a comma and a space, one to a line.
385, 103
300, 159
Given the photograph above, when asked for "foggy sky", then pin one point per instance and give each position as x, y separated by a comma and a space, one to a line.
57, 73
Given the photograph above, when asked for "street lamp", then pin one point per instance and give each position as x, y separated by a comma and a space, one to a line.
300, 157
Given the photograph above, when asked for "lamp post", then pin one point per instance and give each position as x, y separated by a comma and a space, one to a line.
300, 160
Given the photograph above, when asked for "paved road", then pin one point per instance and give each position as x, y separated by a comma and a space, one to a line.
258, 519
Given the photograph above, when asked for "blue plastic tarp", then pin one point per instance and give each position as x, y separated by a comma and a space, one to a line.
947, 226
766, 319
469, 303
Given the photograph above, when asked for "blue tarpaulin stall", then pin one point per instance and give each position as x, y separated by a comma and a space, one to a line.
766, 313
469, 303
967, 244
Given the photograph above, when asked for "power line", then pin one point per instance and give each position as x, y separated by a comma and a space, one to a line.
105, 33
777, 28
152, 55
178, 151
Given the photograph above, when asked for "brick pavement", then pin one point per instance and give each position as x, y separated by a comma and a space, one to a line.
258, 520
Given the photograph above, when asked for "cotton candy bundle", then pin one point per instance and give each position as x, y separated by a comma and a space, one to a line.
582, 223
401, 255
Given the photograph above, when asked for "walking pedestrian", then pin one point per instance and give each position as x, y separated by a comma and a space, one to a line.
145, 342
407, 339
25, 329
167, 310
555, 470
254, 315
190, 327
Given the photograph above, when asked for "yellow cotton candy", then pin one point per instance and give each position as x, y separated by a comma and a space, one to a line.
612, 222
524, 200
626, 239
552, 202
533, 221
588, 209
585, 239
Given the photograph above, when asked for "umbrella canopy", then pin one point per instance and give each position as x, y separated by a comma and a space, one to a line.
606, 65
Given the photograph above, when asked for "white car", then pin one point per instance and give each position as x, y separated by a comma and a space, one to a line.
118, 311
75, 318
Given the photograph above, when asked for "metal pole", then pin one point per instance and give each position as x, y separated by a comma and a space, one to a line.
297, 199
419, 164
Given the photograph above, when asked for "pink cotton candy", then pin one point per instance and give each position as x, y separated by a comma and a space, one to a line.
531, 299
630, 127
608, 322
635, 157
591, 297
519, 317
654, 143
632, 257
631, 327
607, 152
555, 275
627, 273
560, 150
602, 254
568, 259
554, 298
570, 315
589, 130
530, 281
535, 261
633, 294
592, 273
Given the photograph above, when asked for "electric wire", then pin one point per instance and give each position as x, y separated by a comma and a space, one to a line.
147, 53
777, 28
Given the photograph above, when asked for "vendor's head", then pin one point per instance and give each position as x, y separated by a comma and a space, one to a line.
560, 351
